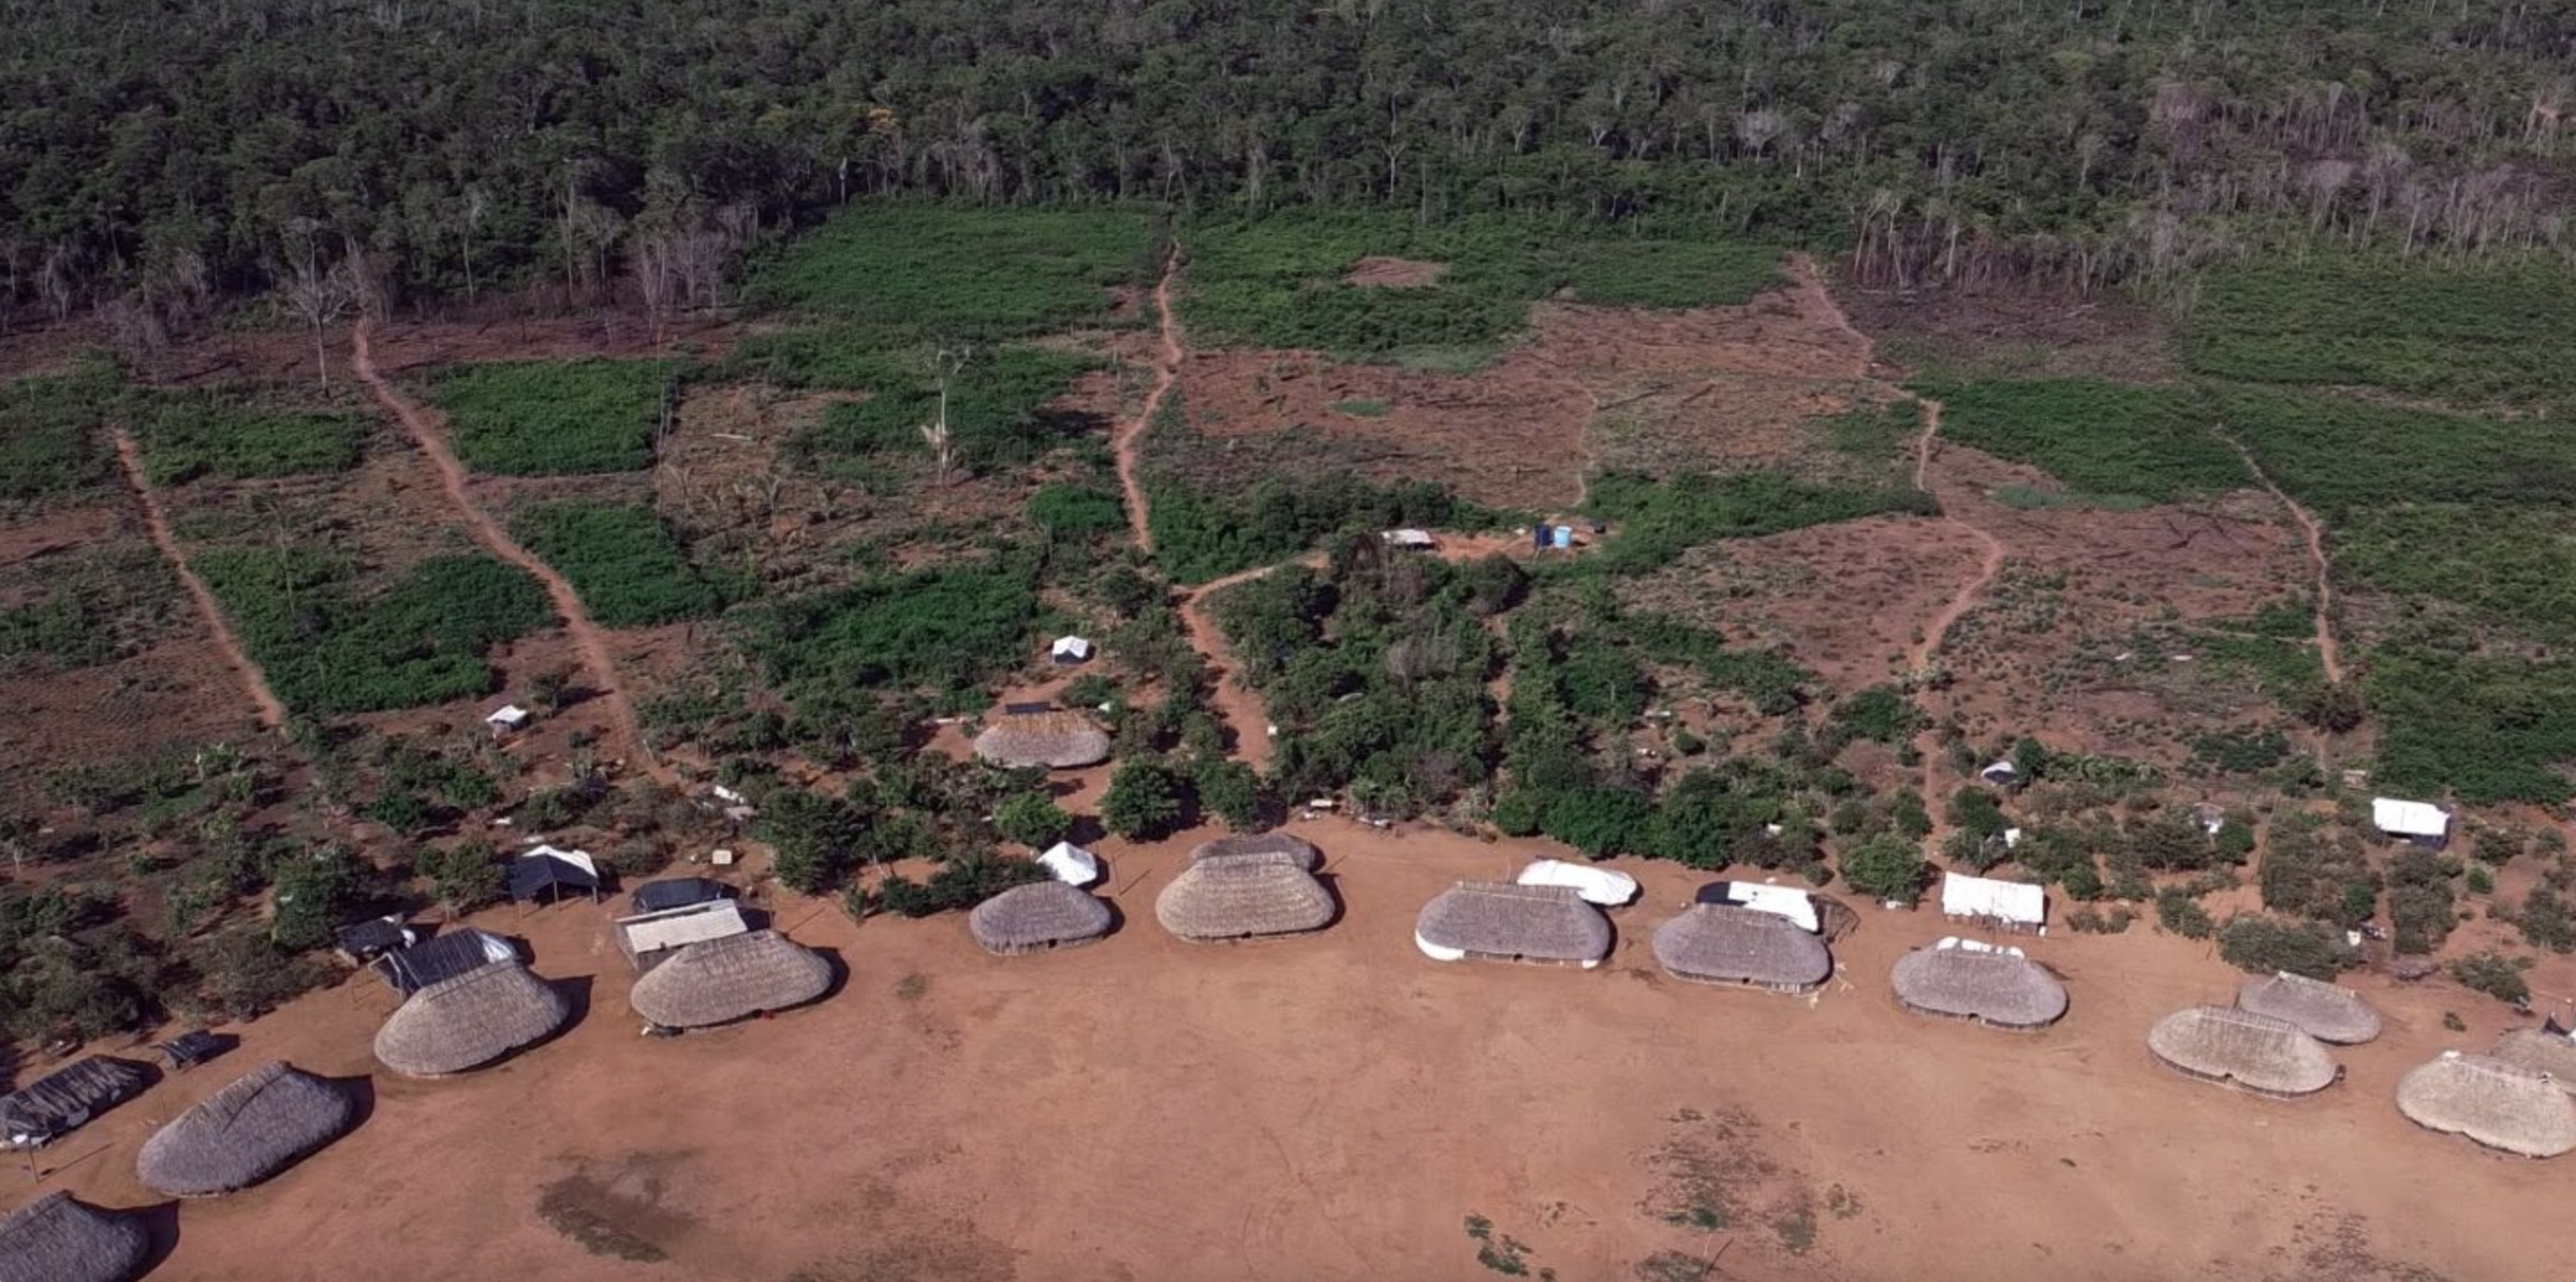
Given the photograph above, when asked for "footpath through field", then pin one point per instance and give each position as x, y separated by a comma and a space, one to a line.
588, 641
272, 712
2329, 652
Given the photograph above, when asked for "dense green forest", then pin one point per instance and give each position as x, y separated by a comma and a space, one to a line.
162, 156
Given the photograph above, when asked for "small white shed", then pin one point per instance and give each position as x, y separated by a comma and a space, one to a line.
507, 719
2420, 822
1070, 650
2006, 905
1602, 887
1070, 864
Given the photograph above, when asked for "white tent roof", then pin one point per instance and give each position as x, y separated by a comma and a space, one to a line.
678, 927
1073, 647
1410, 538
2003, 769
2012, 901
1976, 946
577, 858
1601, 886
508, 716
1071, 864
2409, 818
1779, 901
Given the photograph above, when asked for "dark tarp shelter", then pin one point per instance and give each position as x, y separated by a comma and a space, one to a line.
361, 942
677, 892
409, 970
194, 1047
65, 1100
546, 872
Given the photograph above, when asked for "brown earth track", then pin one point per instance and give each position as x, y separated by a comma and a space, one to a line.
1241, 709
1989, 564
588, 641
1131, 434
2328, 650
272, 712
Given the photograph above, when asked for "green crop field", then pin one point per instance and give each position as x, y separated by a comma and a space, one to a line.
101, 606
2101, 438
997, 413
235, 433
1658, 520
625, 563
49, 440
942, 629
906, 273
2474, 336
330, 650
555, 418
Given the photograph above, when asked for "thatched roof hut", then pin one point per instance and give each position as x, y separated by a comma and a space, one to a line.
1498, 921
735, 977
1243, 897
2328, 1012
1725, 944
245, 1132
1998, 989
2240, 1048
470, 1020
2541, 1051
2500, 1105
1058, 738
55, 1239
1260, 844
1038, 917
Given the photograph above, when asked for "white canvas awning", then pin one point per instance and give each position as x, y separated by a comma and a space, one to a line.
671, 928
577, 858
1600, 886
1410, 538
1977, 946
2409, 818
2012, 902
508, 716
2000, 772
1071, 649
1787, 902
1071, 864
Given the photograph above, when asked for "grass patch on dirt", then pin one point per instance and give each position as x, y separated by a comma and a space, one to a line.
2028, 498
555, 418
624, 561
1659, 520
1365, 407
1669, 274
2514, 567
239, 433
49, 439
2100, 438
1202, 534
904, 273
1876, 434
2488, 729
328, 650
101, 606
2340, 455
2471, 335
998, 412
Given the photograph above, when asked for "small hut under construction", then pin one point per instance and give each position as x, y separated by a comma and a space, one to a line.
1038, 917
2541, 1051
1995, 988
2239, 1048
1260, 844
1499, 921
736, 977
56, 1239
1244, 896
1745, 947
2500, 1105
469, 1021
66, 1099
2327, 1012
1057, 738
245, 1132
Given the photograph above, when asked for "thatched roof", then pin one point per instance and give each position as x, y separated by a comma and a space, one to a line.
55, 1239
2495, 1103
1244, 895
2540, 1051
1037, 917
1057, 738
2328, 1012
1260, 844
1503, 922
1725, 944
245, 1132
722, 980
2240, 1048
1999, 989
471, 1020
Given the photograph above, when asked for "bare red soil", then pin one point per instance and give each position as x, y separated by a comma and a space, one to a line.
254, 684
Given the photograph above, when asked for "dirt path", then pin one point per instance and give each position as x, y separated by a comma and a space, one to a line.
587, 639
1989, 563
1129, 440
1817, 304
272, 713
1236, 704
2328, 649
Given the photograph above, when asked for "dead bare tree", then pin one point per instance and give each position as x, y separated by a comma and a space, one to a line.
946, 364
320, 291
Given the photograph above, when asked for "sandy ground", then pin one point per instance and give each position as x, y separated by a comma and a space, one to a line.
1336, 1106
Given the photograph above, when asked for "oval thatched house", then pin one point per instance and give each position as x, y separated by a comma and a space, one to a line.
2540, 1051
470, 1020
1038, 917
1498, 921
1997, 989
55, 1239
1723, 944
2327, 1012
1058, 738
245, 1132
2240, 1048
718, 981
1260, 844
1244, 896
2500, 1105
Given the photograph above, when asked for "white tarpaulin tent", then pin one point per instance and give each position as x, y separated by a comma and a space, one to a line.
643, 936
2011, 904
1071, 649
2420, 820
1071, 864
1600, 886
1780, 901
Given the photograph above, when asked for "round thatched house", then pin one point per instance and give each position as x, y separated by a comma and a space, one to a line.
2542, 1052
2500, 1105
2327, 1012
1498, 921
2242, 1049
1260, 844
1724, 944
1059, 739
718, 981
1997, 989
1244, 896
469, 1021
55, 1239
245, 1132
1038, 917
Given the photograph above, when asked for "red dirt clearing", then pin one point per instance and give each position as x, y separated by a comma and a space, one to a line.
1377, 271
254, 683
